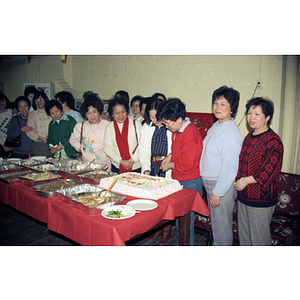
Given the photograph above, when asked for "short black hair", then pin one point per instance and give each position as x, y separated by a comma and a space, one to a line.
117, 101
153, 104
123, 94
66, 97
266, 105
86, 94
50, 104
156, 95
230, 94
22, 98
92, 100
29, 90
37, 96
172, 110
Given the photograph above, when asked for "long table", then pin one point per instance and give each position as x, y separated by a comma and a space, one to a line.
87, 229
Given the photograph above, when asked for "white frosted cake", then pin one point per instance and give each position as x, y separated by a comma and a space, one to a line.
142, 186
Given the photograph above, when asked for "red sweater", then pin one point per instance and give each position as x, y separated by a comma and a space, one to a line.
261, 157
186, 152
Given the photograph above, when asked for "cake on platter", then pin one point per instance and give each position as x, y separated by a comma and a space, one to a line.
142, 186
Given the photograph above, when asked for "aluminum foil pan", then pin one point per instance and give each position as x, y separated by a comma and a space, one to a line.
40, 179
62, 161
49, 190
27, 162
73, 194
93, 178
74, 171
10, 167
45, 167
13, 178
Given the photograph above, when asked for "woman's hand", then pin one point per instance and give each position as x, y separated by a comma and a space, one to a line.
214, 201
44, 140
26, 128
166, 164
241, 183
127, 164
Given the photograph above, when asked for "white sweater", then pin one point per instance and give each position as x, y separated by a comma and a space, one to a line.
145, 147
111, 148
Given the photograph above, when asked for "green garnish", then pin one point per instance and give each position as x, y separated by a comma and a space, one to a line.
115, 214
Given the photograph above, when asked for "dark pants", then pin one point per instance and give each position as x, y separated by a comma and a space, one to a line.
116, 170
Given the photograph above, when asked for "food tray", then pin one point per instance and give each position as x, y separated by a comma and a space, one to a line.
13, 178
32, 182
4, 168
72, 197
48, 190
27, 162
53, 160
74, 171
45, 167
89, 178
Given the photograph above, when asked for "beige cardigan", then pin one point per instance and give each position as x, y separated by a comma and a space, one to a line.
111, 148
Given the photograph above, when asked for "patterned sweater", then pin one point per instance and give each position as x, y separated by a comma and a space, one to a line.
261, 157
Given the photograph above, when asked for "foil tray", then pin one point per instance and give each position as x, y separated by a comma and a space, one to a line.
41, 189
9, 167
73, 171
89, 178
27, 162
31, 183
71, 196
13, 178
45, 167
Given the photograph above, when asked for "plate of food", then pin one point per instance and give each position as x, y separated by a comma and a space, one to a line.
118, 212
142, 204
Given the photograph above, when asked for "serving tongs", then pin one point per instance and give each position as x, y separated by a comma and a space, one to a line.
100, 169
5, 160
88, 165
110, 187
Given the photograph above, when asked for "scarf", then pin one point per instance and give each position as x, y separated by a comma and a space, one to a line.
122, 142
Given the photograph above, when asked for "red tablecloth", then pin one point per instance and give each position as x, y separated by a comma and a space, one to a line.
87, 229
23, 198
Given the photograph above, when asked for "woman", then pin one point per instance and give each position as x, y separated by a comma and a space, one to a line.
186, 150
258, 175
39, 121
121, 138
18, 125
87, 137
67, 101
219, 164
155, 145
60, 130
135, 104
5, 116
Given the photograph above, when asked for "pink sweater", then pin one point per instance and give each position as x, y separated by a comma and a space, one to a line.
92, 141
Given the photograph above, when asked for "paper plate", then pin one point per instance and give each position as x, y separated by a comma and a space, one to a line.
127, 211
142, 204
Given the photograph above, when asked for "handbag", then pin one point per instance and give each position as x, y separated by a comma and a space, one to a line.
16, 142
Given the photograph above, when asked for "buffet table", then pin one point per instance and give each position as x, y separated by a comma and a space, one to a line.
93, 229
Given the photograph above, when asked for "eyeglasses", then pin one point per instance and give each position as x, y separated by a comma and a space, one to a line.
168, 126
39, 99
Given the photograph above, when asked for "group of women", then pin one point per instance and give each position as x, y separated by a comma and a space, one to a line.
153, 136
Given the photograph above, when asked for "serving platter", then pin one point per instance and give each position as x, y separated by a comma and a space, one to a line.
49, 190
93, 178
13, 178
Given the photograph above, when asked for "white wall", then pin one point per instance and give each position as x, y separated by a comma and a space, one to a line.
192, 78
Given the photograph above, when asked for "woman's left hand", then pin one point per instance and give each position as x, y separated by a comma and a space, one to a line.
214, 201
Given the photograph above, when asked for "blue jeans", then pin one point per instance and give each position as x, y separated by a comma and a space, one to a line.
196, 185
